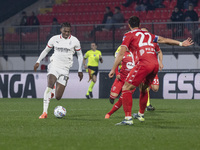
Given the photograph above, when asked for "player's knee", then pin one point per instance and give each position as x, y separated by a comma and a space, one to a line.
155, 88
94, 80
113, 94
127, 87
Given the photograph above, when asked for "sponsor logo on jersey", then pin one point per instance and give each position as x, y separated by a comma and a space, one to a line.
129, 65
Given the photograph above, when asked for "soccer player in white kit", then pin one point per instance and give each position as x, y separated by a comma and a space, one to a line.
65, 46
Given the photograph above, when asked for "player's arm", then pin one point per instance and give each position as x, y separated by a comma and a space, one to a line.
185, 43
100, 59
118, 59
80, 62
117, 73
84, 63
42, 55
160, 57
80, 58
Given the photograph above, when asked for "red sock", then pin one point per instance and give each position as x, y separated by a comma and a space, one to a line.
116, 106
127, 102
143, 101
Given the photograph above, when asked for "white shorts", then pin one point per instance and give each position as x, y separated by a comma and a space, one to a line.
61, 74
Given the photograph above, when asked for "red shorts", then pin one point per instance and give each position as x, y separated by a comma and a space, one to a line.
155, 80
142, 73
117, 86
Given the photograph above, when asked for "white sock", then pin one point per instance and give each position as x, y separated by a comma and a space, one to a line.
128, 117
46, 100
140, 114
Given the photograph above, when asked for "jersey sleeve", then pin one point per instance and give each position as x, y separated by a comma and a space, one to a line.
154, 38
117, 51
127, 39
77, 45
50, 43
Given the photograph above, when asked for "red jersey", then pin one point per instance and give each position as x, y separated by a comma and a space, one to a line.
141, 43
157, 48
127, 64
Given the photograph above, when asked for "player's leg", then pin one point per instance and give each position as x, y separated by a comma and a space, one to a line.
115, 90
115, 107
148, 101
60, 86
59, 90
127, 103
92, 83
53, 91
154, 86
51, 79
142, 102
149, 106
112, 97
94, 72
143, 92
134, 78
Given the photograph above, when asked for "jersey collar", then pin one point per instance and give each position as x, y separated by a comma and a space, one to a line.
63, 38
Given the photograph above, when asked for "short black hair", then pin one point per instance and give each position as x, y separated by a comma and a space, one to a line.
66, 24
134, 21
108, 7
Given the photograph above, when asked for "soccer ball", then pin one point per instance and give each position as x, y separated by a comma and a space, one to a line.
60, 112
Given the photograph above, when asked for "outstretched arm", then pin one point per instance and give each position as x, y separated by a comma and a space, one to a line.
80, 62
84, 63
42, 55
185, 43
160, 57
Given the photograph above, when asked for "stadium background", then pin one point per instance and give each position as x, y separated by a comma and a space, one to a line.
18, 51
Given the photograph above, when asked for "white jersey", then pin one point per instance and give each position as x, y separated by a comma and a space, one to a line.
63, 50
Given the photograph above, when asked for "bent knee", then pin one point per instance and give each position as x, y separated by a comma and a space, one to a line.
113, 94
155, 88
127, 86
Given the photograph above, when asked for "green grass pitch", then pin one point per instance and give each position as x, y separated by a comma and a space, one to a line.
174, 125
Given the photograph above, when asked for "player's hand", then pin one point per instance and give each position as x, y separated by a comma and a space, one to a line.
80, 75
111, 74
36, 66
160, 66
187, 42
118, 77
100, 59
